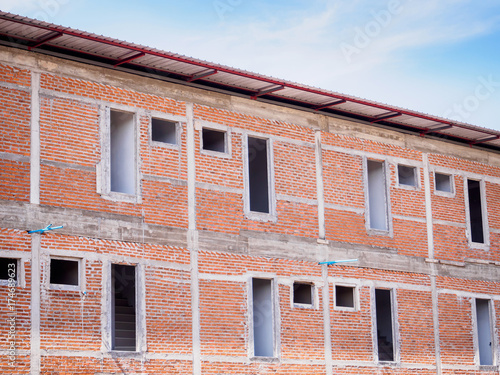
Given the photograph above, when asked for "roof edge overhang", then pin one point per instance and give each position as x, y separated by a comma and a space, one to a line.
66, 43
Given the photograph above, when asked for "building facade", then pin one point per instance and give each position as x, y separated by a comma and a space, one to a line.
195, 218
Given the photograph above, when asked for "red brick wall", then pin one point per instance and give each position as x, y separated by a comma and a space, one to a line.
70, 321
455, 330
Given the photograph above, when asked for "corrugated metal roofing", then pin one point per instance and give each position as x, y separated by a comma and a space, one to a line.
43, 37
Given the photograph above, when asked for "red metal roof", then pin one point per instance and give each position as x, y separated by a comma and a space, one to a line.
43, 37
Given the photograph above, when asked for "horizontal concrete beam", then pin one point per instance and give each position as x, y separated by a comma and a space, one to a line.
109, 226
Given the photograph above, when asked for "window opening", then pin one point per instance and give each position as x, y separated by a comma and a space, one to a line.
258, 174
443, 182
122, 152
407, 175
263, 325
383, 311
344, 296
8, 268
214, 140
164, 131
303, 293
377, 196
124, 307
484, 337
64, 272
475, 211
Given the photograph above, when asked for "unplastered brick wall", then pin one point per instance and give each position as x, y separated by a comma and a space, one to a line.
351, 328
15, 244
14, 134
196, 249
72, 319
70, 141
69, 173
449, 210
221, 207
224, 291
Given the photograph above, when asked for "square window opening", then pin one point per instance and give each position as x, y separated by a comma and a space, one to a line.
344, 296
8, 269
214, 140
164, 131
443, 182
407, 175
303, 294
64, 272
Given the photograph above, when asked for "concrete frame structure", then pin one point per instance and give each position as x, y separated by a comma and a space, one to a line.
196, 245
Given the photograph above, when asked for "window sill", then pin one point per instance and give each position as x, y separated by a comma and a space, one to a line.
6, 283
65, 288
307, 306
218, 154
264, 359
122, 197
479, 246
408, 187
378, 232
261, 216
387, 363
345, 309
172, 146
125, 354
445, 194
490, 368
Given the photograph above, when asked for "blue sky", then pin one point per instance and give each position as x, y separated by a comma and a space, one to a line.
440, 57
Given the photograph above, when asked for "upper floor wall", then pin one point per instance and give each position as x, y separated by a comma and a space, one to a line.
117, 143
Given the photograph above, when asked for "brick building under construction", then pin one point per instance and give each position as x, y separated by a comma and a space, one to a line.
197, 203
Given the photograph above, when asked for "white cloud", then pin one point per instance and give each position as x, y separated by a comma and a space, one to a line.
301, 41
319, 35
44, 10
19, 6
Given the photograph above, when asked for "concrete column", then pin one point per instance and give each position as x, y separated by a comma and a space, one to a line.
326, 320
35, 237
428, 207
430, 247
435, 320
191, 168
319, 186
35, 139
35, 356
192, 239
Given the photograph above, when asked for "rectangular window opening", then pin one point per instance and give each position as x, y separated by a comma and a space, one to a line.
344, 296
377, 195
303, 293
8, 269
484, 334
407, 175
122, 138
383, 311
263, 322
214, 140
64, 272
443, 182
123, 308
258, 175
475, 211
164, 131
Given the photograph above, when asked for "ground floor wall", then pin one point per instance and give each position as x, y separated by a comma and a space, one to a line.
206, 311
